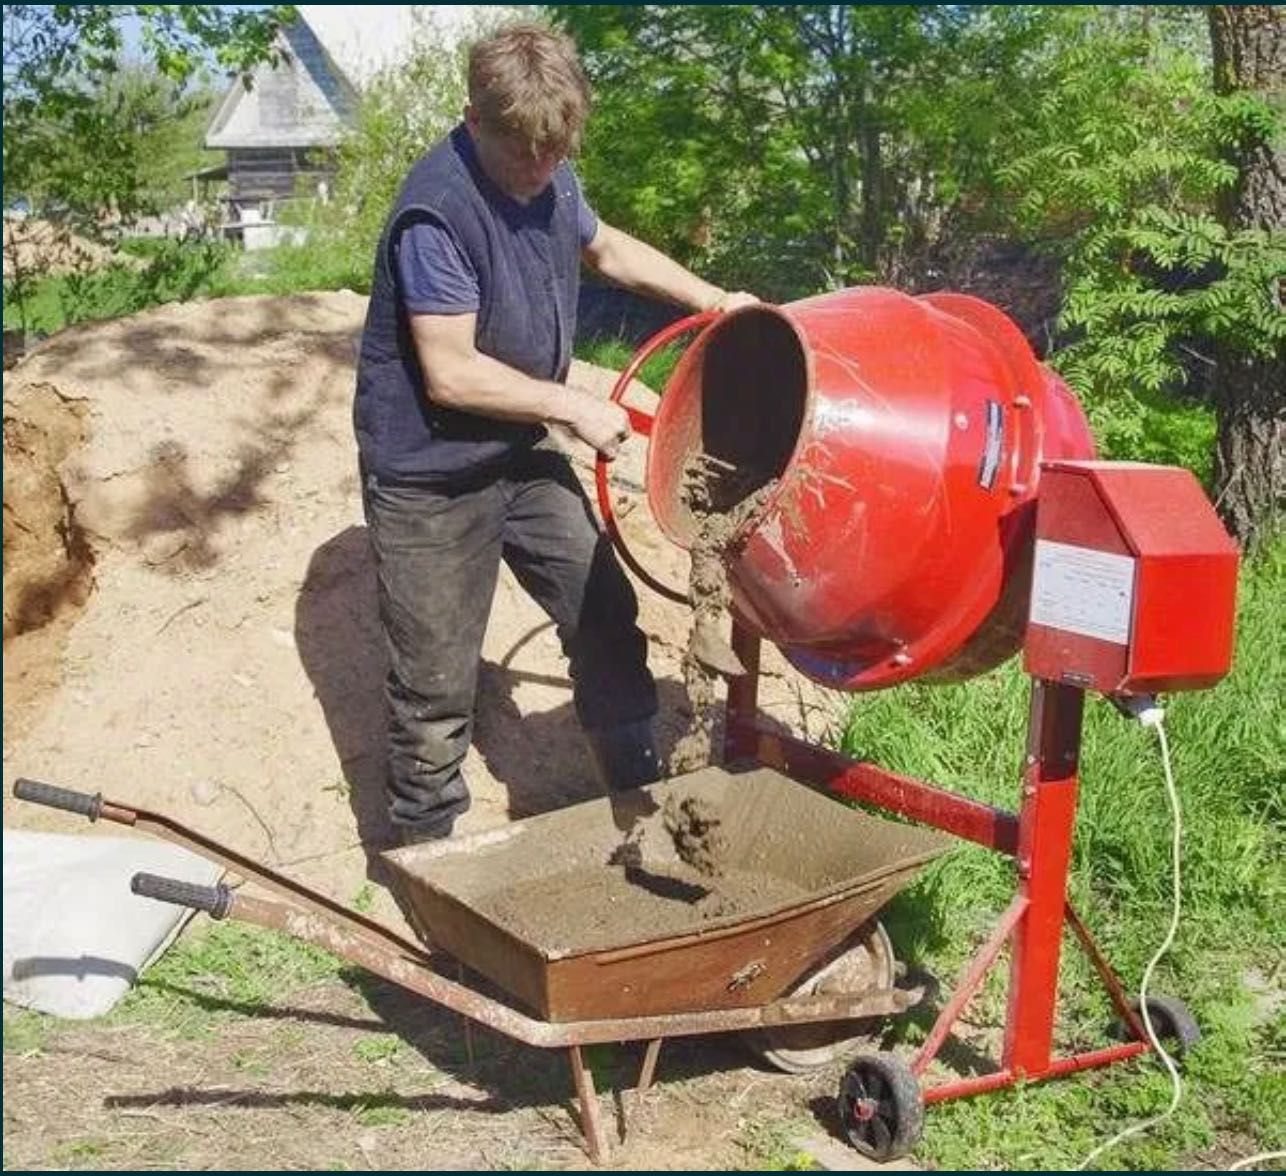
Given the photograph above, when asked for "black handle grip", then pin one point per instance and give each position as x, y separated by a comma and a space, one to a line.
37, 792
216, 901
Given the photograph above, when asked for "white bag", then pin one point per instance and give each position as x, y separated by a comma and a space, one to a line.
75, 937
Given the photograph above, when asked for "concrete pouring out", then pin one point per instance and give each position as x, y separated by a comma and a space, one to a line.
722, 497
694, 828
708, 483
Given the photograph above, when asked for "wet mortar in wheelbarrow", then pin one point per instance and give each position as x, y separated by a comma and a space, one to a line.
549, 909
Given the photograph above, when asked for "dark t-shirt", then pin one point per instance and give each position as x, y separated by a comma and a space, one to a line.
435, 276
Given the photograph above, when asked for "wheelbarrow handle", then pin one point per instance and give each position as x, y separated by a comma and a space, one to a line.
84, 803
216, 901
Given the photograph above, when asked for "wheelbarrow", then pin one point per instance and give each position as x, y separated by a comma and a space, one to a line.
592, 939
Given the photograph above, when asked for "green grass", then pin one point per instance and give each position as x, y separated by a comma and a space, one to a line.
225, 970
219, 972
82, 1150
1229, 756
769, 1145
378, 1048
382, 1111
26, 1032
292, 269
176, 272
173, 272
616, 355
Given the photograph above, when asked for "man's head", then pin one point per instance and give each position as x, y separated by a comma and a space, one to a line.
528, 101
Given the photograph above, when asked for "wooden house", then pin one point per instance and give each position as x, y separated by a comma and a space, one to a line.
280, 134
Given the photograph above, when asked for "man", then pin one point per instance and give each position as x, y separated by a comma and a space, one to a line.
466, 346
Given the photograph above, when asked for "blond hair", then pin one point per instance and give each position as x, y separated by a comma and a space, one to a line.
526, 82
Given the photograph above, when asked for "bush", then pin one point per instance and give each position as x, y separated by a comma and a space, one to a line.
174, 271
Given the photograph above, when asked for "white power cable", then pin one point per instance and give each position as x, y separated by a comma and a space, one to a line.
1154, 716
1261, 1158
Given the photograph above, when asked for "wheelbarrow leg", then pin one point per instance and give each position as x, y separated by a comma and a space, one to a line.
591, 1124
649, 1065
631, 1106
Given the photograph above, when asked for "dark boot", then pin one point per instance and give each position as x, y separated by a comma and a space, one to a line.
418, 834
625, 755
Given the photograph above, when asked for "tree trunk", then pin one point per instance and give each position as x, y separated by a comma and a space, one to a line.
1249, 48
872, 185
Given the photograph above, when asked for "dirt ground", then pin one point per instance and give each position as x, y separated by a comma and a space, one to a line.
192, 610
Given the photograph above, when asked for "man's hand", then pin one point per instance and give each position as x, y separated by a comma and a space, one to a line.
599, 423
733, 300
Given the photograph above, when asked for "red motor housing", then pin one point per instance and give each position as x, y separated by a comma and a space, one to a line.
1135, 582
902, 438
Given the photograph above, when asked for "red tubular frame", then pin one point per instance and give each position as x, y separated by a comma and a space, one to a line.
1038, 837
641, 423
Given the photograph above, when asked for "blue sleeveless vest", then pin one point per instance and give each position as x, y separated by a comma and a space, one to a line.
527, 260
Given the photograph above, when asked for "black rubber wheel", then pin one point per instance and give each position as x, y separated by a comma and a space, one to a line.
880, 1108
1173, 1023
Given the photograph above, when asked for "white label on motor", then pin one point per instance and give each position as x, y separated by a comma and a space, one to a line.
1083, 591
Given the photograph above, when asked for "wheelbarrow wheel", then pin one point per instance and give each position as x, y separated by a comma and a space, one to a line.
1175, 1026
880, 1108
863, 963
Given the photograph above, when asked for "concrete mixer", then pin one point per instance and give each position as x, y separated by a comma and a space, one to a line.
916, 497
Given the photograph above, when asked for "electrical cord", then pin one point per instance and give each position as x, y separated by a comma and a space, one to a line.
1260, 1158
1153, 716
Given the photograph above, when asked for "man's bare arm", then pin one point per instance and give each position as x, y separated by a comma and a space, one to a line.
457, 375
632, 263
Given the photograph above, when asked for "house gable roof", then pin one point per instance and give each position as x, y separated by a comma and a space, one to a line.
303, 101
334, 51
367, 38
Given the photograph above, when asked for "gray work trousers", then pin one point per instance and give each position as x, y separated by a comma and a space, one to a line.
437, 556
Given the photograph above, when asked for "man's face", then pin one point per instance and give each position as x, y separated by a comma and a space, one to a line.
510, 163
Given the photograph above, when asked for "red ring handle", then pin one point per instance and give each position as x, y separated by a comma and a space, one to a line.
641, 423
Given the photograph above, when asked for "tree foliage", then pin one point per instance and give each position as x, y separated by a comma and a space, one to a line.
796, 147
73, 130
1119, 171
87, 137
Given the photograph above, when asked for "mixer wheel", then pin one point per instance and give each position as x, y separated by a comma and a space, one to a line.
1175, 1026
863, 963
880, 1108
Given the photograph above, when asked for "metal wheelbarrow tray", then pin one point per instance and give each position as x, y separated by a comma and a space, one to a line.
541, 908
